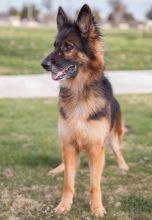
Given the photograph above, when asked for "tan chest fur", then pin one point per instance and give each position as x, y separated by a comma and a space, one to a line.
83, 133
77, 129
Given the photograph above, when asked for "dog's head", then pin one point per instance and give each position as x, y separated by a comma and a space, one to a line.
75, 46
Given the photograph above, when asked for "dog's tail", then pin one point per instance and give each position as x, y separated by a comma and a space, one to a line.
58, 169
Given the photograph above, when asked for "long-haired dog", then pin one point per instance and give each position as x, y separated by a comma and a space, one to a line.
88, 112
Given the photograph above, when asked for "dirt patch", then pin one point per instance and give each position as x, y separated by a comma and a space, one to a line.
21, 205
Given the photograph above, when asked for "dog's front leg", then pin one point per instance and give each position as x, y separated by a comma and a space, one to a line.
71, 160
96, 164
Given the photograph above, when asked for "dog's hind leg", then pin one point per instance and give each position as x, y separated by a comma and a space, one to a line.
116, 142
58, 169
116, 146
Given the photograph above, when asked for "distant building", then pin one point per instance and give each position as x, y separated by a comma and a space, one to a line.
149, 24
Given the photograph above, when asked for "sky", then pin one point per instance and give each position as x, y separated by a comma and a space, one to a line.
137, 7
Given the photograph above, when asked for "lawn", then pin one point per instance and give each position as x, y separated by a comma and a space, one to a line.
22, 49
29, 147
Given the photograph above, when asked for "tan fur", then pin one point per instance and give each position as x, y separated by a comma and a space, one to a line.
96, 159
78, 131
56, 170
116, 138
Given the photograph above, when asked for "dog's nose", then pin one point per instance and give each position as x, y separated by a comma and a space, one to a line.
46, 64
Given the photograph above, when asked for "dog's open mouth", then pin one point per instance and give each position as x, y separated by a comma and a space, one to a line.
64, 74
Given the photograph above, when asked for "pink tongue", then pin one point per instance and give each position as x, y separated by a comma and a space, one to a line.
56, 76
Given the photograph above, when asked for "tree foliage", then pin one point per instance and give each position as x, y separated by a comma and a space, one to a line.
13, 11
33, 10
149, 14
119, 13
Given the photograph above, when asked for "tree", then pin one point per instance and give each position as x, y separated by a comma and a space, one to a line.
128, 17
29, 12
118, 9
48, 17
149, 14
13, 12
119, 13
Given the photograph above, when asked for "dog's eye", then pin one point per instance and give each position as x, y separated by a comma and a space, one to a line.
68, 47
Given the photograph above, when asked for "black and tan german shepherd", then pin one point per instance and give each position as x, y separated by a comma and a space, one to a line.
89, 113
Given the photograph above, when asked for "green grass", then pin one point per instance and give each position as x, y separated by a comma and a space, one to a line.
128, 50
23, 49
29, 147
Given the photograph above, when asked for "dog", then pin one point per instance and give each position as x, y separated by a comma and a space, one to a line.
89, 115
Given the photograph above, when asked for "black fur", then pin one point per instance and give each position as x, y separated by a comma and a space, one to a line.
82, 44
103, 88
65, 93
115, 111
98, 115
62, 112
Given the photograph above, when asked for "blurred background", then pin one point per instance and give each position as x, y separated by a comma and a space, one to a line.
111, 13
27, 30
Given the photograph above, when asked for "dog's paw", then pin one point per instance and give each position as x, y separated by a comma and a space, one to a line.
62, 208
124, 167
98, 211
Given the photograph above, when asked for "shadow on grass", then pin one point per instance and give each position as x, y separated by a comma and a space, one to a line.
34, 160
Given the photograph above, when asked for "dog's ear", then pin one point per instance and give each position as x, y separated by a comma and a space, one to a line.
61, 18
85, 20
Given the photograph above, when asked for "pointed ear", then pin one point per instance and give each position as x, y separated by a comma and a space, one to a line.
61, 18
85, 19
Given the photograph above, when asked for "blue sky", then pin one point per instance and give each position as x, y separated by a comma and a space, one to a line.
137, 7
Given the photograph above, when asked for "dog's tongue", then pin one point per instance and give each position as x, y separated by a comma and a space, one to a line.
57, 75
